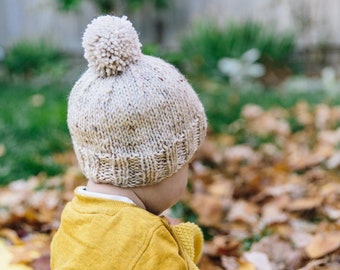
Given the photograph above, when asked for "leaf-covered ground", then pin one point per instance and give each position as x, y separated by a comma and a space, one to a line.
267, 196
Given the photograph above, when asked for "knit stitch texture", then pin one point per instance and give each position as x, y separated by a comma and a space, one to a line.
134, 119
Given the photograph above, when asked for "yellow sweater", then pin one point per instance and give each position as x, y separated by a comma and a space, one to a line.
104, 234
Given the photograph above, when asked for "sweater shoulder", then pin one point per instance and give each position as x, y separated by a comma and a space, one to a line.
118, 232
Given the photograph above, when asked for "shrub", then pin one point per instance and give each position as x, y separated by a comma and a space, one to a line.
208, 43
28, 58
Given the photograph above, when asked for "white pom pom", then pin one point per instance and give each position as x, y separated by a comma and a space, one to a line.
111, 44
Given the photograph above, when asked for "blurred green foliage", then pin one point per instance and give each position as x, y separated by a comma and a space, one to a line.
68, 4
32, 128
208, 43
28, 58
108, 6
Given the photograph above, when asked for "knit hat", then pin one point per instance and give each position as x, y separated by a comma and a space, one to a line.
134, 119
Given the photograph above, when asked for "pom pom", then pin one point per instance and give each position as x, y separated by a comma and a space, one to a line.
111, 44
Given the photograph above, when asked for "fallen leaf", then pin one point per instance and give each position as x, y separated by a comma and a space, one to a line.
230, 263
251, 112
323, 115
280, 252
208, 208
258, 259
6, 258
311, 265
333, 161
207, 263
247, 266
282, 179
209, 150
304, 204
303, 114
35, 246
222, 245
301, 239
240, 153
322, 244
332, 212
331, 137
42, 263
221, 187
244, 211
272, 213
11, 235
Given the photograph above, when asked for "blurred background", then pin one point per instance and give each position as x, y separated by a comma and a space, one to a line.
268, 74
233, 52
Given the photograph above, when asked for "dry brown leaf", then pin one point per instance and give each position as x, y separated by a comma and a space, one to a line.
238, 191
323, 115
208, 208
209, 150
280, 252
6, 259
67, 158
244, 211
251, 112
11, 236
221, 187
301, 239
38, 245
207, 263
303, 159
239, 153
224, 140
229, 263
304, 204
247, 266
333, 161
303, 113
222, 245
42, 263
301, 225
322, 244
332, 212
272, 213
330, 189
311, 265
258, 259
331, 137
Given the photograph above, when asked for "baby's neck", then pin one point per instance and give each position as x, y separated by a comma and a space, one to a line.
114, 190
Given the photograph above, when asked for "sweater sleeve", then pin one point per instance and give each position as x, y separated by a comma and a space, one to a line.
191, 238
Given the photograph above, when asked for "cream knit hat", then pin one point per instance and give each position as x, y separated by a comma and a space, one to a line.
134, 119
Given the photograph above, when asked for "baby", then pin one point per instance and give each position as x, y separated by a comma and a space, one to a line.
135, 124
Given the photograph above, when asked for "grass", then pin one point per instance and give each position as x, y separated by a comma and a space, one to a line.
32, 128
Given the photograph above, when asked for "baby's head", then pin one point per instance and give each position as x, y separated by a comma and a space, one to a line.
134, 119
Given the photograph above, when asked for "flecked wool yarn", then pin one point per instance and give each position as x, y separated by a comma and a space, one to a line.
134, 119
